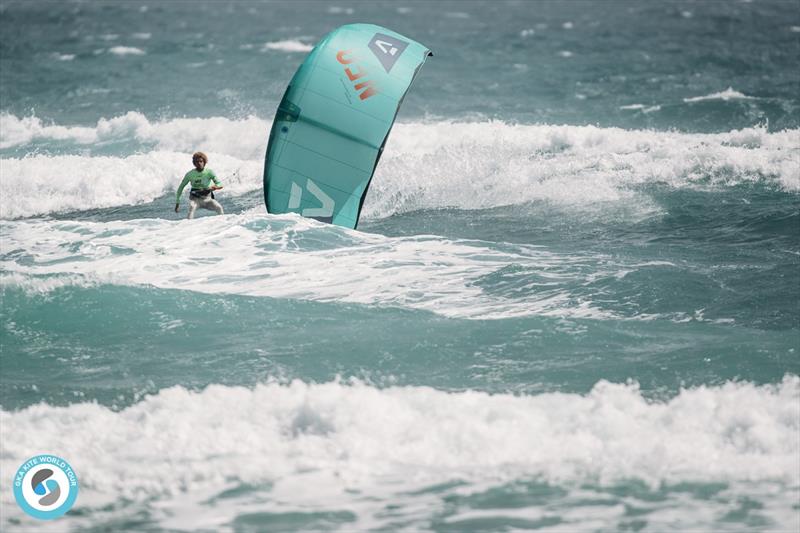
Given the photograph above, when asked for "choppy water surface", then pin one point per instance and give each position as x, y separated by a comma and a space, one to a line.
571, 304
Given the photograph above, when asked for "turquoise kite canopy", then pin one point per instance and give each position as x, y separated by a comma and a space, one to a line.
334, 119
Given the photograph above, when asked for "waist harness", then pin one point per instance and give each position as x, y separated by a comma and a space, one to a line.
201, 193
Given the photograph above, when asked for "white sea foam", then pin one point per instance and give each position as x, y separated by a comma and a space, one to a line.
99, 182
63, 57
641, 107
290, 45
280, 257
244, 139
177, 451
338, 10
41, 286
727, 94
472, 165
481, 165
126, 51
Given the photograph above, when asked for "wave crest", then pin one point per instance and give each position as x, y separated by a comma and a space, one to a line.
613, 433
466, 165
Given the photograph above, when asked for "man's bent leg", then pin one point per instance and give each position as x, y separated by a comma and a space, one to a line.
212, 205
215, 205
192, 208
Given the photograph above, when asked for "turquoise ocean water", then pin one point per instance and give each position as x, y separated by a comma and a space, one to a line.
571, 304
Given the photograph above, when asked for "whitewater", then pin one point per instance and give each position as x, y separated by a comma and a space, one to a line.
475, 165
66, 239
571, 303
344, 450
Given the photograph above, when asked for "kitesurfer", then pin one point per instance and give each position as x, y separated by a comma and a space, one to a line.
201, 195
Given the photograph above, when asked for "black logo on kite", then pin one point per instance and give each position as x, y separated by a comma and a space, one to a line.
387, 49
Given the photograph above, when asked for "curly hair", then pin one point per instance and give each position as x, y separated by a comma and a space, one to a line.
200, 155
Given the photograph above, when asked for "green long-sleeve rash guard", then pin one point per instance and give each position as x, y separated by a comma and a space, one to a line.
199, 180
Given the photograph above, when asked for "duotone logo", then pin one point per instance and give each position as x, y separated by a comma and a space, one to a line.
323, 213
387, 49
45, 486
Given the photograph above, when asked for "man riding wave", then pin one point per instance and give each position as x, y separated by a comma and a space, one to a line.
202, 192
